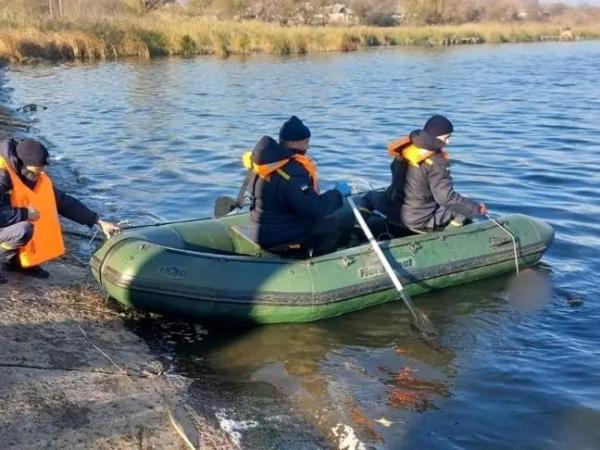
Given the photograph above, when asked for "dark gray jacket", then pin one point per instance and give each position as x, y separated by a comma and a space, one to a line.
67, 206
417, 194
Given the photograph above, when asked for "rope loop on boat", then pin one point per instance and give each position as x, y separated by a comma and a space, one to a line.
512, 237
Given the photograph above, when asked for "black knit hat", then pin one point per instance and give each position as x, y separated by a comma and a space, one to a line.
438, 126
293, 130
32, 153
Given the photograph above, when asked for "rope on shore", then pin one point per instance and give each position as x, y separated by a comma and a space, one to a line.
123, 371
179, 429
176, 425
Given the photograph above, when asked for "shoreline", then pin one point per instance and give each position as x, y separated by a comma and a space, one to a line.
81, 371
157, 36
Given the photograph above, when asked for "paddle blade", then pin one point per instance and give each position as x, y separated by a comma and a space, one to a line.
423, 324
420, 320
224, 205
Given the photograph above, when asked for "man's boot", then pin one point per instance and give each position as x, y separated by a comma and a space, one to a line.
34, 272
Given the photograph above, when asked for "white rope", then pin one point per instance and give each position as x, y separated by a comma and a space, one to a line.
121, 369
94, 236
176, 425
512, 236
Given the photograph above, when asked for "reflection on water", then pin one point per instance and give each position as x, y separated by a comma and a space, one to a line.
359, 378
165, 137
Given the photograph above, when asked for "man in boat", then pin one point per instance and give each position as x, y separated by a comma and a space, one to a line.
30, 232
421, 197
288, 215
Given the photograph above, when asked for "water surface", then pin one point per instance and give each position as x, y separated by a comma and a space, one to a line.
165, 137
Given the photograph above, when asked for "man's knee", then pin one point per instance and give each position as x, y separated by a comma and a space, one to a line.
17, 235
25, 232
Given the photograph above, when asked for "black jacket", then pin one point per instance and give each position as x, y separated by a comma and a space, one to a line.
416, 193
285, 210
67, 206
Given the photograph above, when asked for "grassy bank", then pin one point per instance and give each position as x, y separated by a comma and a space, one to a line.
152, 36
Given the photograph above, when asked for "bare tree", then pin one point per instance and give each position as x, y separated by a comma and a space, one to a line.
146, 6
425, 11
231, 8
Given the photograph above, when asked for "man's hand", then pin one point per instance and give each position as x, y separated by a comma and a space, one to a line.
32, 214
108, 228
483, 209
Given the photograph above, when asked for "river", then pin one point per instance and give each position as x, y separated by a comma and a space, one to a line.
165, 137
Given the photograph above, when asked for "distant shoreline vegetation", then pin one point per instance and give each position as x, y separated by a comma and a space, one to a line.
157, 35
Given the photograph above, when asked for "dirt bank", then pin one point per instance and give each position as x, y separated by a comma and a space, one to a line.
57, 388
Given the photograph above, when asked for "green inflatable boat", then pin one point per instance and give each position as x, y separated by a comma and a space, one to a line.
210, 270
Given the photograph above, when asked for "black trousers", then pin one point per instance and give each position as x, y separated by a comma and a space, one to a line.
12, 238
326, 236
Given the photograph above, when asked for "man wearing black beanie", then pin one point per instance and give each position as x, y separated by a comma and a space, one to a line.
294, 131
289, 215
29, 206
421, 196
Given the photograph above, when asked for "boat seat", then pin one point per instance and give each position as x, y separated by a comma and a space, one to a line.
242, 243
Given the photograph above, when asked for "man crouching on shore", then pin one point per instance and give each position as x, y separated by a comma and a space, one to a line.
30, 232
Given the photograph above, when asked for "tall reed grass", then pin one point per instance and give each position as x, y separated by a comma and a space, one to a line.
163, 35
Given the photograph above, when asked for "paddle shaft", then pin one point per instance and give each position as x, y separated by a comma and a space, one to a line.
386, 265
242, 192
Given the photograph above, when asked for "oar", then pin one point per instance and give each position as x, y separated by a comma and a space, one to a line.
420, 319
224, 204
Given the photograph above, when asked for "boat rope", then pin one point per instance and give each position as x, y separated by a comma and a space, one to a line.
512, 237
180, 430
94, 236
124, 371
119, 368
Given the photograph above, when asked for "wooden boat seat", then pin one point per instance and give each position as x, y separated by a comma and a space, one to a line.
242, 243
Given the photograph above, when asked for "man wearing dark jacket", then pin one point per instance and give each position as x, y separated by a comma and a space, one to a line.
421, 196
288, 214
27, 160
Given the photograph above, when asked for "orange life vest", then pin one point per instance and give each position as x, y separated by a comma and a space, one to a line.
265, 171
413, 155
47, 241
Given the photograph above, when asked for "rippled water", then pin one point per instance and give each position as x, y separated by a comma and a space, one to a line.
165, 137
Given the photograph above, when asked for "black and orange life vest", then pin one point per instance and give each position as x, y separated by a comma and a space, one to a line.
265, 171
47, 241
404, 149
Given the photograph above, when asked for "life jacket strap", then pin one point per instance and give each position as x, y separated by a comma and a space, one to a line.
264, 171
283, 175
